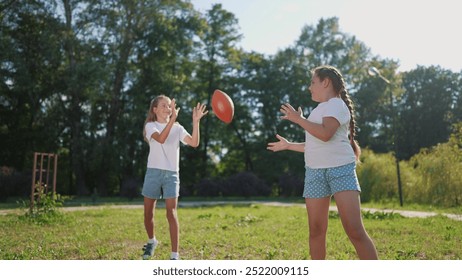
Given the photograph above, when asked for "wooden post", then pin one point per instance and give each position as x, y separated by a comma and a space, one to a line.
32, 193
55, 172
38, 185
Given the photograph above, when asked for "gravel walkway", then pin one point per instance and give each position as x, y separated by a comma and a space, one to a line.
187, 204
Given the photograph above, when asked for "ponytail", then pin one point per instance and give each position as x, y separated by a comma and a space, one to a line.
150, 116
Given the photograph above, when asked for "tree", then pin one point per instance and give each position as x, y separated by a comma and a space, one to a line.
426, 109
76, 74
374, 108
29, 56
215, 64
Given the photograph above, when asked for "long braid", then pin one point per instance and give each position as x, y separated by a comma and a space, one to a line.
346, 98
327, 71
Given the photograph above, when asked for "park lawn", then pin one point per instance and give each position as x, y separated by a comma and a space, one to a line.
254, 232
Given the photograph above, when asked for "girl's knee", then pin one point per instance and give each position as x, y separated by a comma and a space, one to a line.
317, 230
355, 233
171, 214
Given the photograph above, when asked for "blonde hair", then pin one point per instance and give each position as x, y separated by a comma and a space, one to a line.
334, 75
151, 116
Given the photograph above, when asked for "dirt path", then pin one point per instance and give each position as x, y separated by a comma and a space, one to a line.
187, 204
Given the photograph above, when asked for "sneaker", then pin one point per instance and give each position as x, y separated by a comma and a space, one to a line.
174, 256
148, 250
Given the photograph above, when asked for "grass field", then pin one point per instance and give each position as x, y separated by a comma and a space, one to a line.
247, 232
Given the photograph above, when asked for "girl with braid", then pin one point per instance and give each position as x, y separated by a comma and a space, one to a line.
331, 154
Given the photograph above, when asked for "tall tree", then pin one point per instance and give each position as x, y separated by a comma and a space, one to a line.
219, 39
29, 56
140, 42
426, 109
75, 91
376, 108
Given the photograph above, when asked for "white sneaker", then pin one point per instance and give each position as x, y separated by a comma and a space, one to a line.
174, 256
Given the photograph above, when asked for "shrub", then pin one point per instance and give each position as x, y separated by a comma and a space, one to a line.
14, 183
130, 187
377, 176
209, 187
290, 185
45, 205
246, 184
441, 170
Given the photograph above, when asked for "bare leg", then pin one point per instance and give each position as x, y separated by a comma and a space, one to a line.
149, 207
318, 217
172, 217
348, 204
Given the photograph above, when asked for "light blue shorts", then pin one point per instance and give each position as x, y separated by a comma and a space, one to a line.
161, 184
325, 182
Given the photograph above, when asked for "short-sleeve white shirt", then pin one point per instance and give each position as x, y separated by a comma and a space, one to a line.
337, 151
165, 156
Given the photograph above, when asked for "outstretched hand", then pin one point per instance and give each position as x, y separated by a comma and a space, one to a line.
281, 145
175, 110
198, 112
290, 113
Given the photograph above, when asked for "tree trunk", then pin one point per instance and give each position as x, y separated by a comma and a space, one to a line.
115, 108
76, 112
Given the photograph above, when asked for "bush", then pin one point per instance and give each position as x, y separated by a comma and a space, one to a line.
14, 183
131, 188
209, 188
440, 169
377, 177
290, 185
433, 176
244, 184
45, 206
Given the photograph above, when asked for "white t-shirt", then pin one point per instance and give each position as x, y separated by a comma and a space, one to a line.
165, 156
337, 151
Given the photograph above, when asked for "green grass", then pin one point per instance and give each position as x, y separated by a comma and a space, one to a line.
252, 232
14, 203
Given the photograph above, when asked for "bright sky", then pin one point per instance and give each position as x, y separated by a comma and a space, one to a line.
413, 32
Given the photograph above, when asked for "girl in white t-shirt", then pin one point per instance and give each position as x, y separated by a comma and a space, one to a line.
331, 154
164, 134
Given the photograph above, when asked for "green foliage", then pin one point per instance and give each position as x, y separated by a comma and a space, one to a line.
426, 109
45, 206
77, 79
377, 176
431, 177
440, 172
380, 215
244, 184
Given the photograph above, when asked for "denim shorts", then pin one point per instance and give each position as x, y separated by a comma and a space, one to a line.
325, 182
161, 184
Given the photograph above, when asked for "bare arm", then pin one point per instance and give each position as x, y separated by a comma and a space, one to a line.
283, 144
198, 112
161, 137
323, 131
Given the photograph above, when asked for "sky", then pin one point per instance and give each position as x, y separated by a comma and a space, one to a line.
412, 32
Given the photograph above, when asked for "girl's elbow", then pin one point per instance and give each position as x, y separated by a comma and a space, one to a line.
194, 144
326, 138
